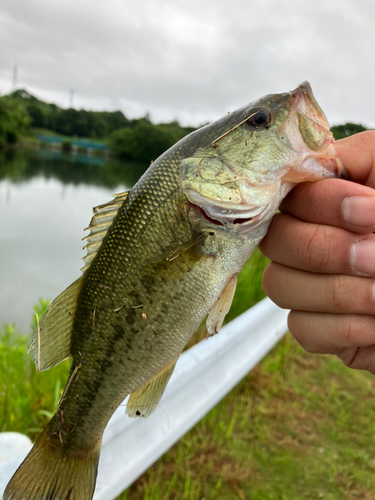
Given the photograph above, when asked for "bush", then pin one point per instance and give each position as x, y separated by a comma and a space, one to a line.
66, 146
143, 142
341, 131
13, 121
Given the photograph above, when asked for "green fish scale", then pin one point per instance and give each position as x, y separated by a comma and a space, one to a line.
118, 352
125, 334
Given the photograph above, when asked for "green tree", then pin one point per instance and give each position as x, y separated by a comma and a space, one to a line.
341, 131
37, 115
13, 121
143, 142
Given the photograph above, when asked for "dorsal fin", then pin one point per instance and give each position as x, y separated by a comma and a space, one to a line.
99, 225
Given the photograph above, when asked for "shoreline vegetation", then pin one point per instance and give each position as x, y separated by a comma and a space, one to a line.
26, 121
298, 426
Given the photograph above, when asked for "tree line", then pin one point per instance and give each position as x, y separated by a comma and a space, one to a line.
134, 139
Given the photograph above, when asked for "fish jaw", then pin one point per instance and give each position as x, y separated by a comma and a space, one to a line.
241, 184
307, 129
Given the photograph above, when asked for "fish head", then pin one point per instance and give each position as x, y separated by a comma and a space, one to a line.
248, 161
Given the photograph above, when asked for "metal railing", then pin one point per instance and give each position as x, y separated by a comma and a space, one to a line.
203, 376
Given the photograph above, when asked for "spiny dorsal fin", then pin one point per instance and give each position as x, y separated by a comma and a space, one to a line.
99, 225
54, 330
144, 400
221, 307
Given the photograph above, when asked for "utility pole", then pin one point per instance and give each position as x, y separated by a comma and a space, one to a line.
71, 97
15, 75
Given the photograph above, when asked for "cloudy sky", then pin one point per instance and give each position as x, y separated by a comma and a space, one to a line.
192, 61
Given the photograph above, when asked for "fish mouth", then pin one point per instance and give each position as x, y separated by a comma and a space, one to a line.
241, 218
234, 223
307, 129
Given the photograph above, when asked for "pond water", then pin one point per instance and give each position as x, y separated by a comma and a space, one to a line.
46, 201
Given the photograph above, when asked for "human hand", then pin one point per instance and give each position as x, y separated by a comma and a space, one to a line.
322, 249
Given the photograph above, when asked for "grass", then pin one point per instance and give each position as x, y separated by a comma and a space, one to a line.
28, 399
299, 426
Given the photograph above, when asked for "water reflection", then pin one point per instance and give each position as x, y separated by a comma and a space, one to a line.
46, 201
23, 165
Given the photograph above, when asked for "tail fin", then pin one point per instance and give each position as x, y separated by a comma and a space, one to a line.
51, 473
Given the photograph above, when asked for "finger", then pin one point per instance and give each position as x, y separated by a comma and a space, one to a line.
358, 156
333, 202
352, 341
302, 291
359, 358
318, 248
324, 333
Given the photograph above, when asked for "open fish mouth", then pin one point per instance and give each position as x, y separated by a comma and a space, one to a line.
238, 218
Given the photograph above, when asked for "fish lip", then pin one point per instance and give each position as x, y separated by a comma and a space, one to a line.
302, 96
319, 163
235, 224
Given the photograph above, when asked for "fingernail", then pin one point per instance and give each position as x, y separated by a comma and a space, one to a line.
363, 257
359, 211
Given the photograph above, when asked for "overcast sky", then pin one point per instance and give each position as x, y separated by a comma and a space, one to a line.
191, 60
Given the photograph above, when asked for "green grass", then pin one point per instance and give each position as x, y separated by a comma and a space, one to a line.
299, 426
28, 399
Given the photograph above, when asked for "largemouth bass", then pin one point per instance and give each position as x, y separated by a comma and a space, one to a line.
159, 259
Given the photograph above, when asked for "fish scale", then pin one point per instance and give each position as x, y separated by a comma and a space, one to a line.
159, 258
116, 331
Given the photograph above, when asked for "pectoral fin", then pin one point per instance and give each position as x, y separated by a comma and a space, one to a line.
144, 400
221, 307
178, 261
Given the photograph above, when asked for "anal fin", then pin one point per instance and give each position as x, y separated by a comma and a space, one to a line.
221, 307
144, 400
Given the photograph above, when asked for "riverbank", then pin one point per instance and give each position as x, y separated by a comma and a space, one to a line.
298, 427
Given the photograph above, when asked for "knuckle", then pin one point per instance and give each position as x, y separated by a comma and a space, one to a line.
353, 329
336, 295
369, 295
358, 358
345, 293
349, 356
314, 246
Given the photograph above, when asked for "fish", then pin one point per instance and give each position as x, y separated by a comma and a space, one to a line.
160, 258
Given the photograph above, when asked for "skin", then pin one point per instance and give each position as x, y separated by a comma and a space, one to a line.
323, 265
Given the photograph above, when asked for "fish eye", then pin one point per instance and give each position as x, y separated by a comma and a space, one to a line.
259, 117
